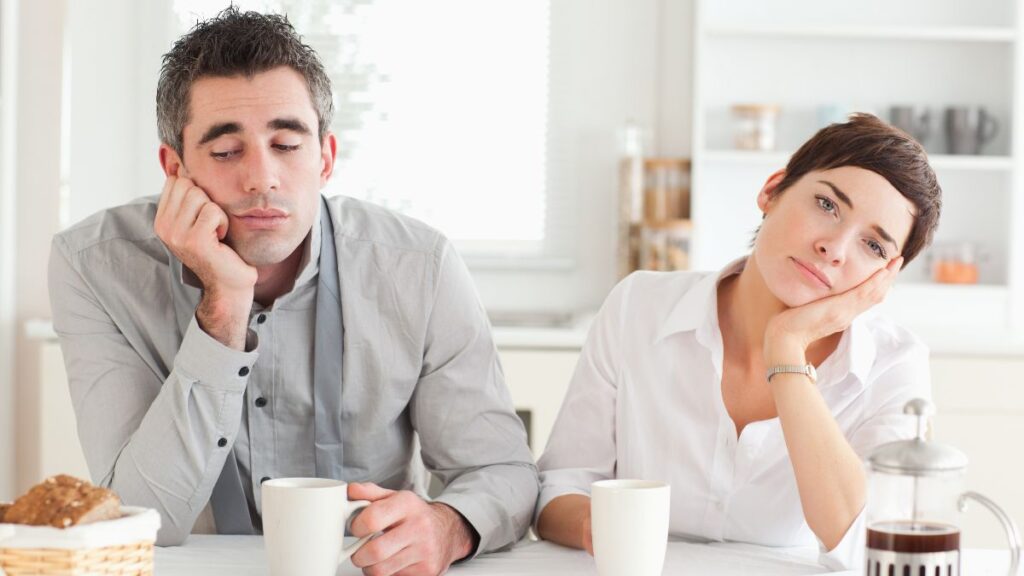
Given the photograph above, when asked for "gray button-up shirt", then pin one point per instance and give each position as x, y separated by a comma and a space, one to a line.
154, 395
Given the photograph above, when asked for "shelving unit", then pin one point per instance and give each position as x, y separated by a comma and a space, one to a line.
804, 56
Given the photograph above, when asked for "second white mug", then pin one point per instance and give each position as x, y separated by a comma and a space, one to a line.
629, 522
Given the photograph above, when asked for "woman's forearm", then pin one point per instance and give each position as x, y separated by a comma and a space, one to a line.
829, 474
566, 521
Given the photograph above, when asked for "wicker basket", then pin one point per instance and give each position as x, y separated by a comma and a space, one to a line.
121, 547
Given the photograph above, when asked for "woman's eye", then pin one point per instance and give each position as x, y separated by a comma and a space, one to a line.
876, 248
826, 204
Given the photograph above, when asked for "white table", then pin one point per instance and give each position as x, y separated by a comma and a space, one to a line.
244, 555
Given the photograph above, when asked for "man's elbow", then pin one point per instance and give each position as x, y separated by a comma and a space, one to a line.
170, 535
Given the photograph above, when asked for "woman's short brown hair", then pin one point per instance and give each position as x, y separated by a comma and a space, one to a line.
869, 143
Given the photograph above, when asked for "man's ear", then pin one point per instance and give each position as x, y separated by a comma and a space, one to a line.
767, 193
171, 163
328, 153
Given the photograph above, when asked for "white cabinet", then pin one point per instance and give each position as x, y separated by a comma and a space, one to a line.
980, 404
538, 380
807, 56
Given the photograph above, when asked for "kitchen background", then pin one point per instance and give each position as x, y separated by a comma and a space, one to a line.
559, 143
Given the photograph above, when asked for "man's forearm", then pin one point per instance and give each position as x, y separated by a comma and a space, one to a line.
172, 459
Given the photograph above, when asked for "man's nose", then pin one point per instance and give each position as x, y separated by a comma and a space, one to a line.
261, 174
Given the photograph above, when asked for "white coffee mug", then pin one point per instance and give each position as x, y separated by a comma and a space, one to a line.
304, 525
629, 523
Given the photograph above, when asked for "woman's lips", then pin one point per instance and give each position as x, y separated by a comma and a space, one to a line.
811, 273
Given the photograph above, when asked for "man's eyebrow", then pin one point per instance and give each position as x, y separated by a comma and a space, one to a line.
218, 130
885, 236
842, 195
293, 124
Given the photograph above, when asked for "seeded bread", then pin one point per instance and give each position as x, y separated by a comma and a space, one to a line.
63, 501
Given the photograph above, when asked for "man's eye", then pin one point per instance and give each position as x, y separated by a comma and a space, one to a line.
224, 155
287, 147
826, 204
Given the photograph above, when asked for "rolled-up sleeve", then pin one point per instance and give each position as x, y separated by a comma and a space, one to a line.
581, 448
158, 441
471, 438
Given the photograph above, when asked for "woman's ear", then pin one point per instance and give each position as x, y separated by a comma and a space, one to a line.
767, 193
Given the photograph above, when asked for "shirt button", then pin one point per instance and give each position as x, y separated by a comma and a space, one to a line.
244, 371
222, 442
261, 402
264, 479
261, 318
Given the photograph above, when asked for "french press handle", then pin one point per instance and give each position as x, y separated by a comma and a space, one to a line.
1012, 535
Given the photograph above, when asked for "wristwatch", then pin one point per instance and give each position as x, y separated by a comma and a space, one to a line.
806, 370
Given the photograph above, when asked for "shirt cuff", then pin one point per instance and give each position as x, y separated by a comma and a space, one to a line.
203, 359
849, 553
474, 514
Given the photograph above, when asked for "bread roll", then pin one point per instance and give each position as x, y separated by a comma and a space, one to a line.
63, 501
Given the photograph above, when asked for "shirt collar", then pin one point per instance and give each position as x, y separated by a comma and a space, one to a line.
698, 306
309, 265
697, 309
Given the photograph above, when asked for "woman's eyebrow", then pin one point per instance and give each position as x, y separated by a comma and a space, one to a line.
885, 236
846, 200
839, 193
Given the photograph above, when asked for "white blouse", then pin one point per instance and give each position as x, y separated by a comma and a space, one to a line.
646, 402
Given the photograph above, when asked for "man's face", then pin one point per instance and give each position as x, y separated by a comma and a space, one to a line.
829, 232
252, 145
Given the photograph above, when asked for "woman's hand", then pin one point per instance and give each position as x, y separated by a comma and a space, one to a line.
790, 332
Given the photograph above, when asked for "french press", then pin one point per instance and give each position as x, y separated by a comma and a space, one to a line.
914, 500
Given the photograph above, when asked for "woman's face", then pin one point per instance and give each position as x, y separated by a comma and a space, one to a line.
828, 232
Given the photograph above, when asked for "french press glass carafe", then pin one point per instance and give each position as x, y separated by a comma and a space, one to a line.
914, 500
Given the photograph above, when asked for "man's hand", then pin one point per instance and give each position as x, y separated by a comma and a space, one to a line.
790, 332
192, 226
419, 539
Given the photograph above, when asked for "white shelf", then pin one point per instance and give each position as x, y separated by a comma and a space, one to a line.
938, 161
924, 306
959, 34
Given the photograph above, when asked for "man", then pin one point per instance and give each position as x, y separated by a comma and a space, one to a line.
242, 327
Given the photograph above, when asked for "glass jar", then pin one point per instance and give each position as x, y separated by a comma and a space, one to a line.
666, 189
665, 245
955, 263
755, 126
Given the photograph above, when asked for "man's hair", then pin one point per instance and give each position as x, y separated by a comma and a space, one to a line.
869, 143
235, 43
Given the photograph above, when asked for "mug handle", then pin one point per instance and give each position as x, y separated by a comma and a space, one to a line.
348, 551
925, 125
989, 127
1012, 536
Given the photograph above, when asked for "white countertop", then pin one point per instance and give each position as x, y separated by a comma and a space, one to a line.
244, 555
943, 341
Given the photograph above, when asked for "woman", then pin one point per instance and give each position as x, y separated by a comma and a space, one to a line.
757, 391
